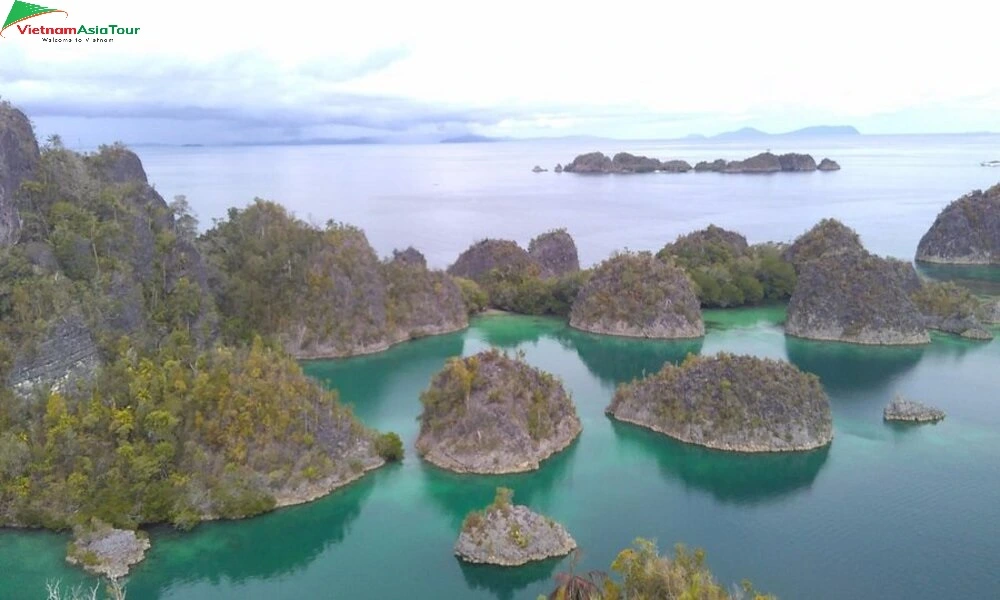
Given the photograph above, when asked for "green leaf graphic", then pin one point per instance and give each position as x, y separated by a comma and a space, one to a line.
24, 10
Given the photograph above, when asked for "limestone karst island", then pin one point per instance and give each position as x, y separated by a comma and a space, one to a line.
427, 301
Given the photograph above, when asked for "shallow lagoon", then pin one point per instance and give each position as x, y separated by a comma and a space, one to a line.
886, 511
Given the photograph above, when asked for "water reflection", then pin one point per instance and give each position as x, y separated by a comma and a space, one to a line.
264, 547
850, 367
727, 476
980, 279
615, 360
457, 495
505, 582
502, 331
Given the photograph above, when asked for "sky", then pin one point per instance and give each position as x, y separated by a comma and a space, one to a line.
204, 72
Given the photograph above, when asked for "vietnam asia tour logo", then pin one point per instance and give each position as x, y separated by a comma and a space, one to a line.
22, 11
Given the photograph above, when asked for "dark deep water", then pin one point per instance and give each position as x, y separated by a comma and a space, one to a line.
885, 512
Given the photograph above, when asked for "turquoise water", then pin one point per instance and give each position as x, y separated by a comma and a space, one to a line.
884, 512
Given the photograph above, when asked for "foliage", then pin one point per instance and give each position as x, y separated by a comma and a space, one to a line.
389, 446
641, 573
946, 300
476, 300
727, 272
530, 294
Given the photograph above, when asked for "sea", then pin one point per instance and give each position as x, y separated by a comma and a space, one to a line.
886, 511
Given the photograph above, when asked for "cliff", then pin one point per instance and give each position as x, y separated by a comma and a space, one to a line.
490, 413
829, 236
19, 158
853, 297
638, 295
322, 292
555, 252
966, 232
492, 256
727, 402
510, 535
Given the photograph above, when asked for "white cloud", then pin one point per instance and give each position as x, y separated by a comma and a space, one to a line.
524, 68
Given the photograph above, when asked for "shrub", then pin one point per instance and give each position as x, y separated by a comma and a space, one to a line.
389, 446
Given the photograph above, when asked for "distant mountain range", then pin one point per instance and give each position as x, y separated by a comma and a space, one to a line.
471, 138
750, 133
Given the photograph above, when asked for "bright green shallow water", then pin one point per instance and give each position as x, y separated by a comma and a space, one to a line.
885, 512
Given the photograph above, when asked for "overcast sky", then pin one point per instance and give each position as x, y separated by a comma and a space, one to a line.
204, 72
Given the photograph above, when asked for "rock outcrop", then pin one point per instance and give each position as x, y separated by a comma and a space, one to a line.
989, 311
491, 413
510, 535
638, 295
797, 162
420, 302
65, 354
488, 255
19, 158
828, 165
727, 402
716, 166
765, 162
853, 296
555, 253
829, 236
901, 409
623, 163
966, 232
559, 168
951, 308
538, 169
103, 550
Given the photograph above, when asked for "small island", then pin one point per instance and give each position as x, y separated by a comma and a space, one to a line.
635, 294
966, 232
828, 165
491, 413
730, 402
510, 535
901, 409
765, 162
844, 293
951, 308
103, 550
555, 252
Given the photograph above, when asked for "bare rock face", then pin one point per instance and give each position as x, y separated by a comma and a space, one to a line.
901, 409
853, 297
905, 274
117, 164
797, 162
559, 168
19, 157
65, 354
728, 402
966, 232
638, 295
555, 253
103, 550
484, 256
828, 165
510, 535
592, 162
411, 257
989, 311
490, 413
623, 162
829, 236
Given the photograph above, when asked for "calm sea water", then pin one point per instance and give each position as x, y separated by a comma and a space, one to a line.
885, 512
441, 198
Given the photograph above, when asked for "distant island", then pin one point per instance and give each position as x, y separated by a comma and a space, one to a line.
751, 133
624, 163
470, 138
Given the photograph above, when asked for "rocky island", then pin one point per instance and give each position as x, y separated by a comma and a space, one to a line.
828, 165
765, 162
966, 232
901, 409
729, 402
491, 413
638, 295
844, 293
510, 535
555, 252
129, 396
623, 162
103, 550
951, 308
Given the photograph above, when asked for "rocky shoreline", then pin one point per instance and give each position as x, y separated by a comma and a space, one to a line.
730, 402
509, 535
106, 551
901, 409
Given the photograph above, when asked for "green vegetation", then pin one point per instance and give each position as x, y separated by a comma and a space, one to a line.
529, 294
641, 573
389, 446
159, 421
475, 299
727, 272
502, 501
946, 300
